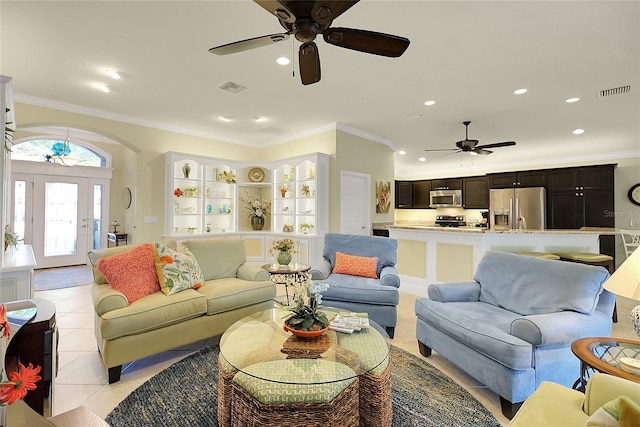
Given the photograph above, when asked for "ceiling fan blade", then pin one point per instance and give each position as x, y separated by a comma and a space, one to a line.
367, 41
443, 149
253, 43
278, 9
309, 61
498, 144
324, 12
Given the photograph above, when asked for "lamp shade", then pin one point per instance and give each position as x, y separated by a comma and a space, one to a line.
625, 281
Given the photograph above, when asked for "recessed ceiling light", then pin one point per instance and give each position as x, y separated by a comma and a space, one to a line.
520, 91
572, 100
283, 60
402, 152
578, 131
260, 119
422, 159
225, 119
429, 102
103, 88
113, 73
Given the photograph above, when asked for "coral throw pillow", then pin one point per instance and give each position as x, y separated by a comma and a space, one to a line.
354, 265
133, 272
177, 270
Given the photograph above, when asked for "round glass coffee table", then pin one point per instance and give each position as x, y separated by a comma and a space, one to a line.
260, 338
603, 354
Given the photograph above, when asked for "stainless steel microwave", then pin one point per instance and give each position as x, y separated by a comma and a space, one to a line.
445, 199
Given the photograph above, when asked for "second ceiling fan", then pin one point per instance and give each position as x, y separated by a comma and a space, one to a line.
471, 145
305, 20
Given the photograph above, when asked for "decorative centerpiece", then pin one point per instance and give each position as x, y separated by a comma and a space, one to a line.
259, 209
285, 248
306, 320
16, 385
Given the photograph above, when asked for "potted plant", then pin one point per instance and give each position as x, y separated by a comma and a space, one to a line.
305, 319
10, 238
304, 227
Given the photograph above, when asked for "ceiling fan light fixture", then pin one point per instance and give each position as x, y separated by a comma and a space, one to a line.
473, 153
520, 91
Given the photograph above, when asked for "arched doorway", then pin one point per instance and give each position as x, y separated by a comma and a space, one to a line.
59, 210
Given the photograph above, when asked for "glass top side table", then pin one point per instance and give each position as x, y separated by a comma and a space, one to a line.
603, 354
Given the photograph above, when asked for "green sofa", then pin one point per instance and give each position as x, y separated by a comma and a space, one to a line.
158, 322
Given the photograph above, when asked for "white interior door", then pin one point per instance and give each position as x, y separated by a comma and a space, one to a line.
355, 201
60, 220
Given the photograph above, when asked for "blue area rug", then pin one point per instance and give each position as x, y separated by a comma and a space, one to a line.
63, 277
185, 394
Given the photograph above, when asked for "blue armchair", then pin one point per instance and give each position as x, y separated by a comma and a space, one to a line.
377, 296
511, 327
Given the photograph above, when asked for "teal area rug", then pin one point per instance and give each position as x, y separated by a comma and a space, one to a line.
185, 394
63, 277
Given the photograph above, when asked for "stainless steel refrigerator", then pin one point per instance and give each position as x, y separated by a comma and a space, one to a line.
518, 208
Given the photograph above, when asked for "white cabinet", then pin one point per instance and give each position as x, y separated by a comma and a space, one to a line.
208, 196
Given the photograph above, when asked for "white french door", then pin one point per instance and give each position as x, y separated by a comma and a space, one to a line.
61, 220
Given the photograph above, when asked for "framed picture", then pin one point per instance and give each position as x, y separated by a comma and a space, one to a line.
383, 196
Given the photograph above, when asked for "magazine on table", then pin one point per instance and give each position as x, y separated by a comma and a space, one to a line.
349, 322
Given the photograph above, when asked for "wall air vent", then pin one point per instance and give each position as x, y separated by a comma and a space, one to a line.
274, 131
615, 91
232, 87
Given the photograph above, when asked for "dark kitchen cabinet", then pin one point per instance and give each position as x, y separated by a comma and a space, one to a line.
475, 192
581, 197
446, 184
535, 178
421, 190
404, 194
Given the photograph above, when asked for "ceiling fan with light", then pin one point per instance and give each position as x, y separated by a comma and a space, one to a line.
471, 145
305, 20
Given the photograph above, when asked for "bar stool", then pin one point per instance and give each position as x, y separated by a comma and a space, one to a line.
589, 258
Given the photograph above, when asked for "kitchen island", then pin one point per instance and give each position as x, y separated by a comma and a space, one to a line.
431, 254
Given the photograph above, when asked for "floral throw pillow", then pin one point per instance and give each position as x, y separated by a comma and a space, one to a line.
133, 272
177, 270
620, 412
354, 265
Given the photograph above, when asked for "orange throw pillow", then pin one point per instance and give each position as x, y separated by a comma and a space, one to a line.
133, 272
354, 265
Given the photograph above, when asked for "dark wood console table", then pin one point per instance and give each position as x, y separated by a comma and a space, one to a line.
35, 342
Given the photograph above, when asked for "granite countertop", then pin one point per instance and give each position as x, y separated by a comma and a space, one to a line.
469, 229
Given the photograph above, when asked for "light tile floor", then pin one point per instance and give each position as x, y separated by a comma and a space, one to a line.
82, 378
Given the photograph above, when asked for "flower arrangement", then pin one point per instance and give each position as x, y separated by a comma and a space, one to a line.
258, 207
285, 245
24, 379
10, 238
305, 314
284, 188
306, 191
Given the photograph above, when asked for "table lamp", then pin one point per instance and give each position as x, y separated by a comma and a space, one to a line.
625, 281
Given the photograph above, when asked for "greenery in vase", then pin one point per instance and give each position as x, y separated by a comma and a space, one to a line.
305, 314
10, 237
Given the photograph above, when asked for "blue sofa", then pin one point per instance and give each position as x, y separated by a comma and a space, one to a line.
511, 327
380, 296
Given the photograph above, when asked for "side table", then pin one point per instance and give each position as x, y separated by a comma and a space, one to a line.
117, 239
603, 354
287, 274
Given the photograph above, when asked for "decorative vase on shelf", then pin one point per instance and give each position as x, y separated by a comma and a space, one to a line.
186, 170
257, 222
284, 258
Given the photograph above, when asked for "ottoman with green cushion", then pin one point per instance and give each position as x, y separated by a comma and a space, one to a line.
308, 392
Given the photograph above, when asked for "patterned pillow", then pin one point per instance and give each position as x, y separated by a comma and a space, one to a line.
133, 272
177, 270
620, 412
354, 265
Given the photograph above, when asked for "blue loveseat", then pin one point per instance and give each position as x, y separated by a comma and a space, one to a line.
379, 297
511, 327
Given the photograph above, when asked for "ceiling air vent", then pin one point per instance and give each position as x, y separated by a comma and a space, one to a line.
232, 87
274, 131
615, 91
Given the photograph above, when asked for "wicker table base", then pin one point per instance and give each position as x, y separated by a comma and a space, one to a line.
342, 411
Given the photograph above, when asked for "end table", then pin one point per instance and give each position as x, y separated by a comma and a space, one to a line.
603, 354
